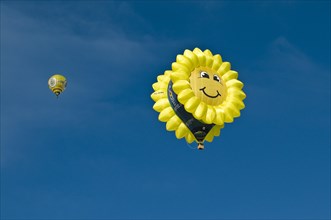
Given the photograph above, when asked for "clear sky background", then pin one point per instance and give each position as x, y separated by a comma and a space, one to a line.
99, 152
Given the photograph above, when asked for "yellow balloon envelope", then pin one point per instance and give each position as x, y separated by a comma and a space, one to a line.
198, 95
57, 84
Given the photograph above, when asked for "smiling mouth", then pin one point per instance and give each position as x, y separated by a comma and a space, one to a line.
215, 96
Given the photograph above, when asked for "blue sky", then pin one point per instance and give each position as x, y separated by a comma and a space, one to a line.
99, 152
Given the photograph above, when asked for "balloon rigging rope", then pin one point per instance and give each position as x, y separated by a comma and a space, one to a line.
190, 146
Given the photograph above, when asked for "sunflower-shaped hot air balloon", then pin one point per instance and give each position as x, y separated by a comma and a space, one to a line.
198, 95
57, 84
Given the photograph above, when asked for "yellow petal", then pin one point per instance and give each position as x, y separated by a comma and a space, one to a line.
184, 61
189, 138
209, 61
216, 130
201, 56
161, 104
180, 85
208, 53
200, 111
219, 120
181, 131
236, 102
166, 114
217, 62
233, 110
210, 115
225, 67
234, 83
235, 92
163, 78
192, 56
167, 73
185, 95
230, 75
159, 86
179, 75
173, 123
209, 137
197, 50
192, 104
157, 95
180, 67
228, 115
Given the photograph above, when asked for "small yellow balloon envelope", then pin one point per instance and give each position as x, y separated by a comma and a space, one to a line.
198, 95
57, 84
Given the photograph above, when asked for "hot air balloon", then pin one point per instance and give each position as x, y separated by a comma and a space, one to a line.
57, 84
197, 96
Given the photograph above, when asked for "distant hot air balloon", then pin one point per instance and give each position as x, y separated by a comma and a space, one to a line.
198, 95
57, 84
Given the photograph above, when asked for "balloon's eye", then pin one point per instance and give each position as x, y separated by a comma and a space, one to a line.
217, 78
204, 75
52, 82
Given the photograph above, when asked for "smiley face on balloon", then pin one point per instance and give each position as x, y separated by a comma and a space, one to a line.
208, 85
